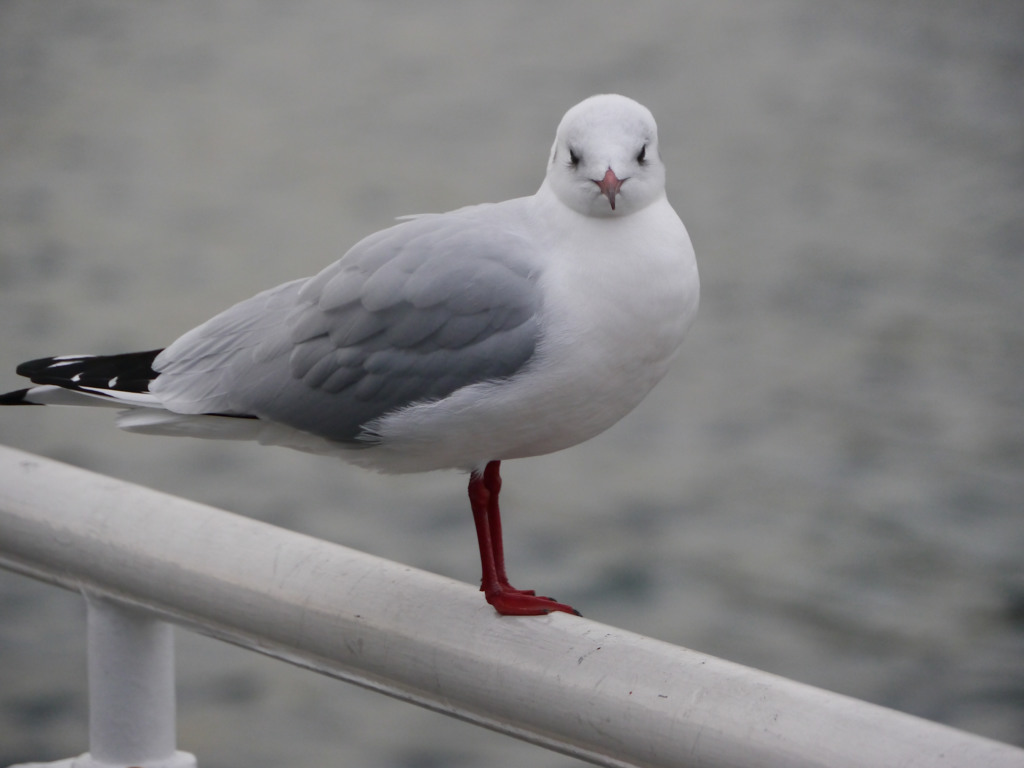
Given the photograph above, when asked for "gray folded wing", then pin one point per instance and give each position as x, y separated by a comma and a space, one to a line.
409, 315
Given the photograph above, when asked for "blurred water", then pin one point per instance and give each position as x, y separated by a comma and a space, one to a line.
828, 487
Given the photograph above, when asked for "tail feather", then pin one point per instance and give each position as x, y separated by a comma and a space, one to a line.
122, 381
49, 394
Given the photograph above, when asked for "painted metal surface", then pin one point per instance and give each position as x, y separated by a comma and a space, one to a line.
132, 715
593, 691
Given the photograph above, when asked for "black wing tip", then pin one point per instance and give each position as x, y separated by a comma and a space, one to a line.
31, 368
17, 397
132, 370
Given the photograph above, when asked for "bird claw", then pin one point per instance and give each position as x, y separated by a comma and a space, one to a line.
518, 602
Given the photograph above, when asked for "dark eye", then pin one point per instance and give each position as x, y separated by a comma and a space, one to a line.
574, 159
642, 155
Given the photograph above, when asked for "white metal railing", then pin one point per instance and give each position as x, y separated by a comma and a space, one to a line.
599, 693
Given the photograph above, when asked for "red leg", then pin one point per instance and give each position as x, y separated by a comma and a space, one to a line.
492, 482
506, 599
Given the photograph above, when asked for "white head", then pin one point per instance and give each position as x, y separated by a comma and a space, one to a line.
605, 160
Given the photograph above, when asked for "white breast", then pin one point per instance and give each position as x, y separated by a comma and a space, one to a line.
618, 297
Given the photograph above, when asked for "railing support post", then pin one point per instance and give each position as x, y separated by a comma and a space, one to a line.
132, 720
132, 715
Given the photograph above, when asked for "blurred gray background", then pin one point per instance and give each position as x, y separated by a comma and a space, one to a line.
829, 486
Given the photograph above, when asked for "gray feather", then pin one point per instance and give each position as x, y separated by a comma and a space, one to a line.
409, 315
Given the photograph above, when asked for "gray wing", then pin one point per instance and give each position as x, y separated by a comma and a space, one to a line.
409, 315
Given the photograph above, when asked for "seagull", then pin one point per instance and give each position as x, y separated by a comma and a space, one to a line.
447, 341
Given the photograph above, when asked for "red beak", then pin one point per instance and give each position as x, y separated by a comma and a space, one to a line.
609, 186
